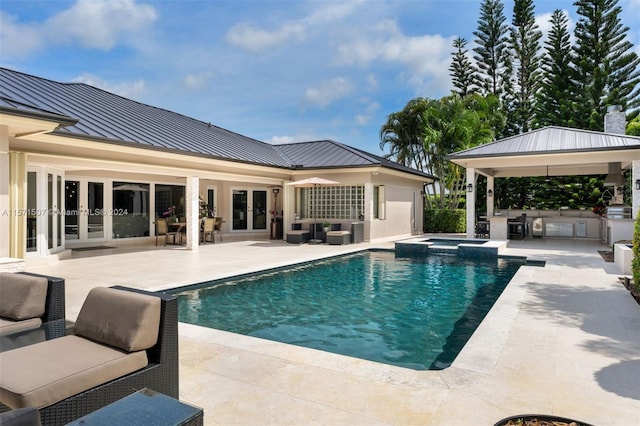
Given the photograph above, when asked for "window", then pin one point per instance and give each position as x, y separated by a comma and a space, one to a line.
211, 206
32, 216
130, 210
332, 202
378, 202
170, 200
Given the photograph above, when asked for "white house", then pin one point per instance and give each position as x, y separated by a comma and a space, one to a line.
80, 167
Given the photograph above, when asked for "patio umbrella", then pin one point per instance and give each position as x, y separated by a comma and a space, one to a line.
313, 182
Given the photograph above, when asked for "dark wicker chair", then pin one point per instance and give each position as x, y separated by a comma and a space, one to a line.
55, 302
53, 319
161, 374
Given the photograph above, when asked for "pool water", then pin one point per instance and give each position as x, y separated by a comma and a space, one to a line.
413, 312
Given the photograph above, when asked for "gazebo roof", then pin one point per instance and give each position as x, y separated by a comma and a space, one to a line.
551, 151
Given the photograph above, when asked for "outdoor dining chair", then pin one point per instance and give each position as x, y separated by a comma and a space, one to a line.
218, 227
208, 229
162, 229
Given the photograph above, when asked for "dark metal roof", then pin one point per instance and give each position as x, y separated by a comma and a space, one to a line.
9, 106
91, 113
104, 115
551, 140
332, 154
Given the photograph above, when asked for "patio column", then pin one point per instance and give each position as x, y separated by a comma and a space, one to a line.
471, 203
4, 191
289, 208
490, 203
192, 205
635, 193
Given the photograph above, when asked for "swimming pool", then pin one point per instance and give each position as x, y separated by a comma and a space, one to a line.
413, 312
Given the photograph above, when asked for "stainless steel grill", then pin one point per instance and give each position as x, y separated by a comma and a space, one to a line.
618, 211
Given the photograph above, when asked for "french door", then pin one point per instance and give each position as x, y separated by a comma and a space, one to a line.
45, 206
250, 211
84, 210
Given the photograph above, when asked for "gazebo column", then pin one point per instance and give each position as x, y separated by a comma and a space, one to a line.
471, 203
635, 192
490, 190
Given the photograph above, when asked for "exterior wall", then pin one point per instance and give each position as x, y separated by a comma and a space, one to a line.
404, 208
4, 191
108, 163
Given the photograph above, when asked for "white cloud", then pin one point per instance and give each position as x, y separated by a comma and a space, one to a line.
198, 81
100, 24
328, 91
94, 24
17, 40
426, 57
132, 89
256, 39
279, 140
368, 112
372, 81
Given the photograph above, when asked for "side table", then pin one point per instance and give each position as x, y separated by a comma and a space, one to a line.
145, 407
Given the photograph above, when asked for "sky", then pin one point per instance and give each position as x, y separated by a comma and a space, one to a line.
279, 71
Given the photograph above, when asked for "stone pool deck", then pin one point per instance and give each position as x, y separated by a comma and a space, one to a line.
563, 340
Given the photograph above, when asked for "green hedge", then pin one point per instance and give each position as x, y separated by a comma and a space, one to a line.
437, 220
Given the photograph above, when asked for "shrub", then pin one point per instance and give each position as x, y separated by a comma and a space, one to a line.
445, 220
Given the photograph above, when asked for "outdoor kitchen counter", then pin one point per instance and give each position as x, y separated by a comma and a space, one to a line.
550, 223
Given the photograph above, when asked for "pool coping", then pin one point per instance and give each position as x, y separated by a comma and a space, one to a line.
570, 350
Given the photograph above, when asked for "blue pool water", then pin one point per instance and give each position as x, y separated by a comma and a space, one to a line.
411, 312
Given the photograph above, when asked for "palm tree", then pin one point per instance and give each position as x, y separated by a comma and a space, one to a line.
427, 130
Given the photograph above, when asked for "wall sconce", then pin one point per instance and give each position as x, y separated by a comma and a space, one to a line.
489, 193
276, 191
638, 184
470, 187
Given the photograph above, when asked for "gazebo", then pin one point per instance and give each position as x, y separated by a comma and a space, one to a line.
552, 151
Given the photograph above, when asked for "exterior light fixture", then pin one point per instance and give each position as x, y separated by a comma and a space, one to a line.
470, 187
638, 184
489, 193
276, 191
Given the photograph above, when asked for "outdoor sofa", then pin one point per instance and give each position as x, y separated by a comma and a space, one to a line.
29, 300
124, 340
297, 235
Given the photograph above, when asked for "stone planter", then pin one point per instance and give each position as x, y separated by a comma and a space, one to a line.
539, 419
622, 257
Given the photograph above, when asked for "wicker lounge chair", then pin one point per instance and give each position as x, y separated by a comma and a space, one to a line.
160, 372
28, 300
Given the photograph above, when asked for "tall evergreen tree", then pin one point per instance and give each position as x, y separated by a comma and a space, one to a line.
555, 101
461, 70
607, 71
524, 41
491, 47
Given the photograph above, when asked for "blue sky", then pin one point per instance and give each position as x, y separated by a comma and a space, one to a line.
277, 71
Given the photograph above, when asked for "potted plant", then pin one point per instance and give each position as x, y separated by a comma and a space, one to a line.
326, 226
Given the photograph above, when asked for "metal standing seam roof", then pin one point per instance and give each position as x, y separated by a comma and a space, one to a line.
550, 140
113, 118
93, 113
332, 154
